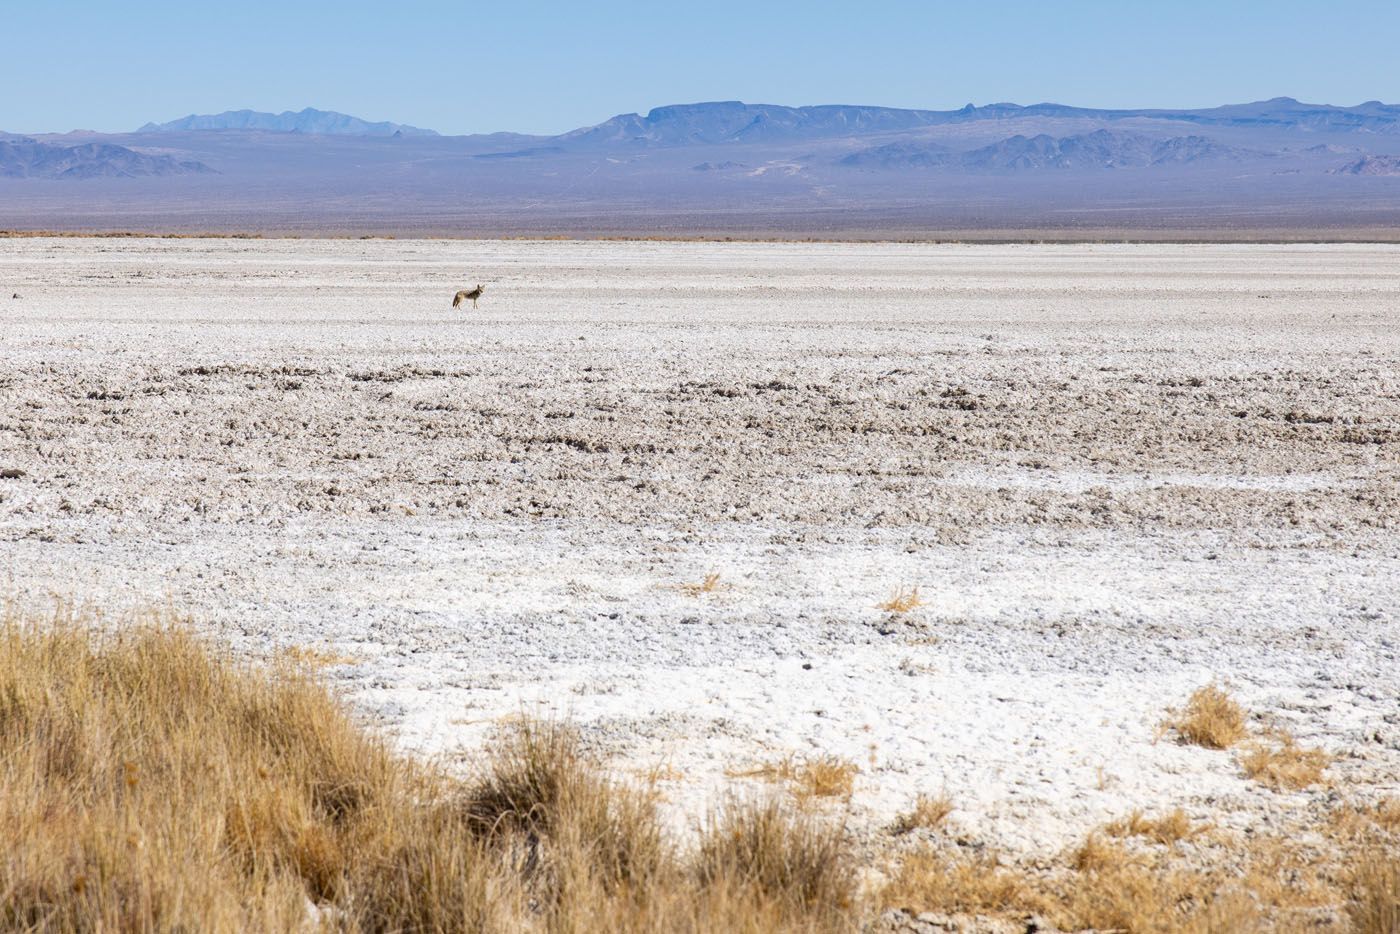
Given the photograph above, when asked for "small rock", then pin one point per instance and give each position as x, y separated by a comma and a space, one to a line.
11, 473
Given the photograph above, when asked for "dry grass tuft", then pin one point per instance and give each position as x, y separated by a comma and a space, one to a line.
811, 777
930, 880
1135, 895
926, 814
1374, 907
1285, 767
1386, 814
1261, 882
1105, 887
1096, 854
313, 657
709, 585
903, 601
1167, 829
1211, 719
1363, 825
151, 785
763, 852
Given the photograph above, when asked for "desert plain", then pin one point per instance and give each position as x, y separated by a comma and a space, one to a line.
668, 491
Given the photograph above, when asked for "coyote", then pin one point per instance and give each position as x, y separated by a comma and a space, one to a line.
472, 294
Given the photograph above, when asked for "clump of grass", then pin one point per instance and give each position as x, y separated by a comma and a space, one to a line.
1386, 814
1096, 854
1286, 766
316, 658
902, 601
1104, 887
1211, 719
1374, 906
1365, 825
150, 785
153, 784
1167, 829
931, 880
1119, 892
542, 797
810, 777
927, 813
709, 585
763, 852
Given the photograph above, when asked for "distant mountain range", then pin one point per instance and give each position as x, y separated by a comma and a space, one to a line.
731, 166
737, 122
1100, 149
25, 157
1371, 165
310, 120
734, 121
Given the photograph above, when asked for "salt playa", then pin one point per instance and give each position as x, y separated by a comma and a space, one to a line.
670, 491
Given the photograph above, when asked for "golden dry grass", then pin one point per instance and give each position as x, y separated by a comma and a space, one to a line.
797, 864
1375, 887
1386, 814
927, 813
316, 658
902, 601
1285, 766
1104, 887
709, 585
809, 777
1143, 897
1118, 880
1211, 719
1097, 853
932, 880
152, 785
1167, 829
1366, 824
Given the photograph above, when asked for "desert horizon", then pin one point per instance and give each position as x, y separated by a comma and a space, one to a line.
1269, 170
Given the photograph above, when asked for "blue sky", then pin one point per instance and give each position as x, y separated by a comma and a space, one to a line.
546, 67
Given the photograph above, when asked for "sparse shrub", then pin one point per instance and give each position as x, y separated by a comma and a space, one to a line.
539, 791
709, 585
1374, 907
927, 813
1167, 829
316, 658
931, 880
1211, 719
779, 855
903, 601
1096, 854
1285, 767
810, 777
1386, 813
1134, 895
